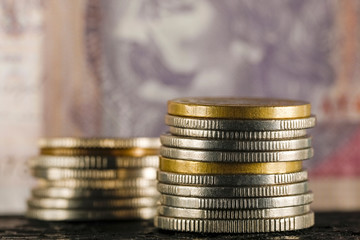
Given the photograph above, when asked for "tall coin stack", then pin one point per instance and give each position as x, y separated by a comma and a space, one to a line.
234, 165
82, 179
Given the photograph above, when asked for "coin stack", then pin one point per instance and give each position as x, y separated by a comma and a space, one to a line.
234, 165
83, 179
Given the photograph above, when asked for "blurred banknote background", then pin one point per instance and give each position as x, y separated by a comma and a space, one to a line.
107, 68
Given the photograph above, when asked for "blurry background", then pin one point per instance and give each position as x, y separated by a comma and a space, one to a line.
107, 68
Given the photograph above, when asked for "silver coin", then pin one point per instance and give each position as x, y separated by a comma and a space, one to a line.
89, 215
235, 145
236, 203
240, 125
66, 173
56, 192
93, 162
233, 214
91, 204
231, 192
99, 184
235, 226
237, 135
232, 180
244, 157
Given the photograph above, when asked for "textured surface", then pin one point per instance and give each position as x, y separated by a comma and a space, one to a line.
335, 225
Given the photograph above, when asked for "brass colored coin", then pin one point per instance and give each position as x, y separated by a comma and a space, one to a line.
92, 204
196, 167
90, 215
239, 108
99, 143
131, 152
93, 162
97, 184
66, 173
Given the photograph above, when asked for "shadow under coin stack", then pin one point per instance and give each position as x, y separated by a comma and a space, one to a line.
82, 179
234, 165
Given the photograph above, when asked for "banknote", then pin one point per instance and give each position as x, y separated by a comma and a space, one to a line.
107, 68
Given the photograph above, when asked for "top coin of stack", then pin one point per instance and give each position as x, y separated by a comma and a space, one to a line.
95, 179
235, 165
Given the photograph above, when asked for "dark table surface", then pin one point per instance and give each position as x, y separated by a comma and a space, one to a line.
329, 225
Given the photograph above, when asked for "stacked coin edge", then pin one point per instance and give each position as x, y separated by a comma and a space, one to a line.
235, 167
88, 179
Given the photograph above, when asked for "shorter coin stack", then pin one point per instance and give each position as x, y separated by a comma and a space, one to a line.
234, 165
82, 179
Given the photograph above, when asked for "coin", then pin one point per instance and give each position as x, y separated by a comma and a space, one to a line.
241, 108
91, 204
88, 215
231, 192
99, 143
235, 226
233, 214
236, 203
93, 162
99, 184
235, 145
131, 152
65, 173
237, 135
231, 180
240, 125
200, 167
58, 192
244, 157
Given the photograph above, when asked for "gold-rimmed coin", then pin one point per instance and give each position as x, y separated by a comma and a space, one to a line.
239, 108
73, 142
196, 167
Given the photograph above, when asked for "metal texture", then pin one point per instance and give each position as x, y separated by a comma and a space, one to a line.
237, 135
99, 143
235, 145
91, 204
233, 214
240, 124
93, 162
232, 192
66, 173
130, 152
90, 215
231, 180
56, 192
241, 108
244, 157
99, 184
236, 203
200, 167
235, 226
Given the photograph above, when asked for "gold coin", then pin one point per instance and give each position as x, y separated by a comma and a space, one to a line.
131, 152
196, 167
69, 142
239, 108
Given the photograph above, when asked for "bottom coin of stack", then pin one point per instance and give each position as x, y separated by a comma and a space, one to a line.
84, 179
